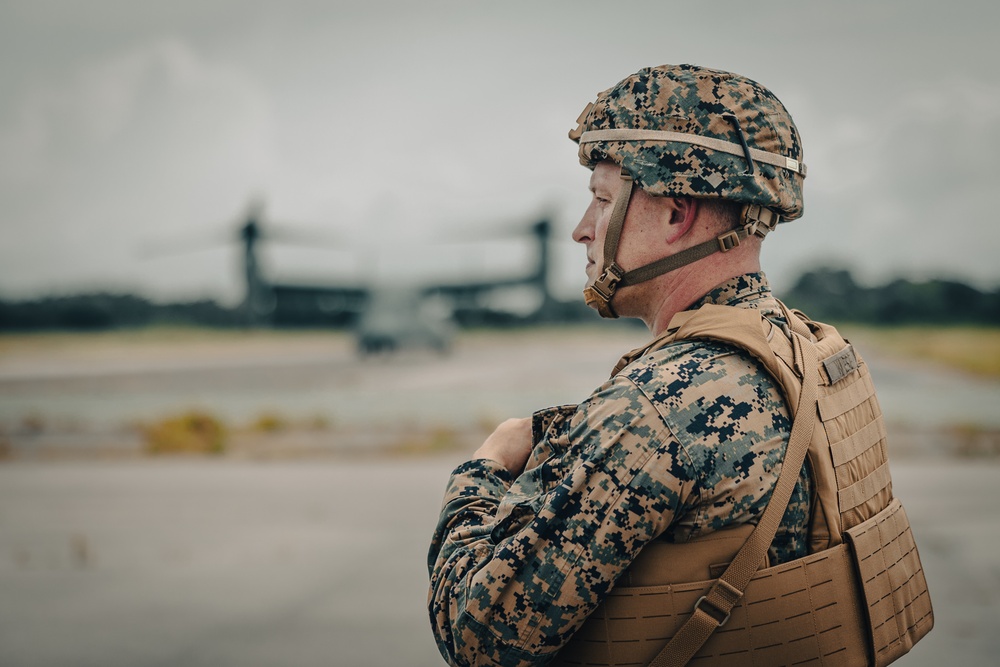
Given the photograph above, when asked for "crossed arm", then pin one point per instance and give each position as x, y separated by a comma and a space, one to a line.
517, 563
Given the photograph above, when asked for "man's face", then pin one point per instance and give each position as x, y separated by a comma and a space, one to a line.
642, 233
593, 226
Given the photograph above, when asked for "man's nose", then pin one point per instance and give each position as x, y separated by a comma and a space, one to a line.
583, 232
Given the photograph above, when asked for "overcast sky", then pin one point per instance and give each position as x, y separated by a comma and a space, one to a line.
380, 128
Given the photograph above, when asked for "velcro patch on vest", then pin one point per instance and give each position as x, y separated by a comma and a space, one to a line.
840, 365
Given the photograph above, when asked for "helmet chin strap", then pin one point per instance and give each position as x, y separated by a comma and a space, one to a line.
755, 220
599, 293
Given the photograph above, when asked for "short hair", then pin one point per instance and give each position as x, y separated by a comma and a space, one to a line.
724, 213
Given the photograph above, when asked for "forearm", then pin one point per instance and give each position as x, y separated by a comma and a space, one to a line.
469, 507
517, 565
460, 547
511, 581
491, 583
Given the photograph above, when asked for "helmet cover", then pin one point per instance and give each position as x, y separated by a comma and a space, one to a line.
707, 103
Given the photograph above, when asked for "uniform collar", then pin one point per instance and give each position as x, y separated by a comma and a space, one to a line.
749, 290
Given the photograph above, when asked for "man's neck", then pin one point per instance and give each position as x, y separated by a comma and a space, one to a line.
688, 284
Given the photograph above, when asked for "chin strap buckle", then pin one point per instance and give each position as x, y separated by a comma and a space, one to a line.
607, 282
598, 295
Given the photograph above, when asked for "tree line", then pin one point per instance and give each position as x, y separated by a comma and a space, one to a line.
833, 295
827, 294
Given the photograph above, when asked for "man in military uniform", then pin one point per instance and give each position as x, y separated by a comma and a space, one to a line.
691, 167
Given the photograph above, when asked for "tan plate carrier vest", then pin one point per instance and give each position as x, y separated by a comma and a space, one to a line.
858, 598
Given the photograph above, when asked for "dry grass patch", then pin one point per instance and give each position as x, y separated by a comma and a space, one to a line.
973, 350
976, 442
270, 422
193, 432
434, 440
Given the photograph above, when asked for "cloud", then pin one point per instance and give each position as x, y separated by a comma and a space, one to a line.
95, 103
126, 127
907, 188
119, 149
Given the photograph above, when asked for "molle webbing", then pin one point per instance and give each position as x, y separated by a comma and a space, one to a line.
792, 612
814, 610
810, 611
896, 599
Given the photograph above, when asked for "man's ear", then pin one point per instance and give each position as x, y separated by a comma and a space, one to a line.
682, 211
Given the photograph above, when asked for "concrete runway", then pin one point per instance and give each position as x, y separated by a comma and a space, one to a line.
131, 561
152, 563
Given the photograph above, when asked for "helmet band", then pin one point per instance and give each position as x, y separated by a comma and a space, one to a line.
629, 134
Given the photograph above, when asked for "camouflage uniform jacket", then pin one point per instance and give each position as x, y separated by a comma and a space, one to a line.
683, 441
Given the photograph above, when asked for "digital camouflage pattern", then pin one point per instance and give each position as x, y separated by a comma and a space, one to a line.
682, 442
691, 99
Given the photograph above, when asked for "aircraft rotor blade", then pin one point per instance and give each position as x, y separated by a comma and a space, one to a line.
167, 248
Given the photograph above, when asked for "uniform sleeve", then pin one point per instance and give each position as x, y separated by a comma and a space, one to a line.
516, 566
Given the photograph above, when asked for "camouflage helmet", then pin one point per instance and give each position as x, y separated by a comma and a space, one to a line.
684, 130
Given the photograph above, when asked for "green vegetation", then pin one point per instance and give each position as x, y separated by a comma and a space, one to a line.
94, 312
832, 295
